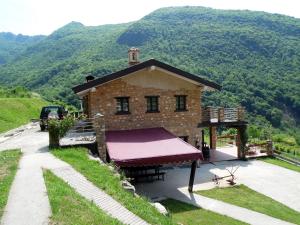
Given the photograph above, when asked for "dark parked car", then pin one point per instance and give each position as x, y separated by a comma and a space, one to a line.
51, 112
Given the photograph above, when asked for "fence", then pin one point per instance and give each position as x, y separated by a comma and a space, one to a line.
225, 140
81, 134
260, 148
221, 114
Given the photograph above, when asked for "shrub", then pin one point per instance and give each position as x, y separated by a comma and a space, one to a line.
254, 131
57, 129
284, 138
297, 138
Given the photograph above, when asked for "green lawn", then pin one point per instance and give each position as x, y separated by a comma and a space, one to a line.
104, 178
15, 112
245, 197
189, 215
8, 167
282, 163
68, 207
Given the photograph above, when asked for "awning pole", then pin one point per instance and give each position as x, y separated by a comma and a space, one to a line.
192, 176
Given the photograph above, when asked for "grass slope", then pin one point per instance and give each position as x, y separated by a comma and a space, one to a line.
104, 178
68, 207
247, 198
282, 163
15, 112
187, 214
8, 168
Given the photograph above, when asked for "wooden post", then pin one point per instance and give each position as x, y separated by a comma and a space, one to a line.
212, 137
269, 148
221, 114
241, 140
192, 175
238, 145
240, 113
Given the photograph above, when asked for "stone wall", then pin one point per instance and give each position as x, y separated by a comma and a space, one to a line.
146, 83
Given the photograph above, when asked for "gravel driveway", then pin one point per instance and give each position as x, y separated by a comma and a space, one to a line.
28, 201
276, 182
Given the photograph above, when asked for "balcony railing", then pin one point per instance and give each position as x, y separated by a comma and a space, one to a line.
221, 114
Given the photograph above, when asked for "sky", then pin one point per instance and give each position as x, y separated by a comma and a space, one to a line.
32, 17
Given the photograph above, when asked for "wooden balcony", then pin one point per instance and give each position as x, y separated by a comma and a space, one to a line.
222, 116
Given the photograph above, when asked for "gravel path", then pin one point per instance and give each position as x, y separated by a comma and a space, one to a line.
92, 193
28, 201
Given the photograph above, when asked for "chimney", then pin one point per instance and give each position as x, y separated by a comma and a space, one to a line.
133, 56
89, 78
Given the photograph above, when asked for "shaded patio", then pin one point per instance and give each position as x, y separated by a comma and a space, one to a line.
219, 154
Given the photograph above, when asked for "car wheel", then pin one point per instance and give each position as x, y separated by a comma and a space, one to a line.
43, 127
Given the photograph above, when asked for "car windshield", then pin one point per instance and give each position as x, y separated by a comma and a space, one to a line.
50, 111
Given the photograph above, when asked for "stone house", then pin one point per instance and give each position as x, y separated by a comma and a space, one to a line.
146, 108
148, 94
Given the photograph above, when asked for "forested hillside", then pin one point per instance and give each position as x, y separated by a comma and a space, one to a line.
12, 45
255, 56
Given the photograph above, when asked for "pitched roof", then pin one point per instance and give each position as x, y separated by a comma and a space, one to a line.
140, 66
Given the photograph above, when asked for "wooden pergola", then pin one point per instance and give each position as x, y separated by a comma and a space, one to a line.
213, 117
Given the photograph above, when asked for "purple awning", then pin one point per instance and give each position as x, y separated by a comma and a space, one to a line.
145, 147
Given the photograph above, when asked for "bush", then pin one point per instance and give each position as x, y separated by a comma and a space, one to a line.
297, 138
254, 131
57, 129
284, 138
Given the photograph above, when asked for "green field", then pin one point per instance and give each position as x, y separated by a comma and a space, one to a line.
68, 207
282, 163
187, 214
245, 197
102, 177
8, 168
15, 112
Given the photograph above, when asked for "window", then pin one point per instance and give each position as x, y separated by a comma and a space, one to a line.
152, 103
184, 138
180, 102
122, 105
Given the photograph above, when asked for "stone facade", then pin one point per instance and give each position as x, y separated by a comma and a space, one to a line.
148, 82
99, 125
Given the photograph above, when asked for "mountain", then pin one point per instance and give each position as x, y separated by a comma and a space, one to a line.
255, 56
11, 45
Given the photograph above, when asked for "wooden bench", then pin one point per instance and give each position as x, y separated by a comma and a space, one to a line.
136, 177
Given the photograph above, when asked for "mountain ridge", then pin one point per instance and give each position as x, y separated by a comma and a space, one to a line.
255, 56
11, 44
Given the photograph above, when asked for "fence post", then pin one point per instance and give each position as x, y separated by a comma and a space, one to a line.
240, 113
208, 112
221, 114
100, 135
213, 137
241, 140
269, 148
